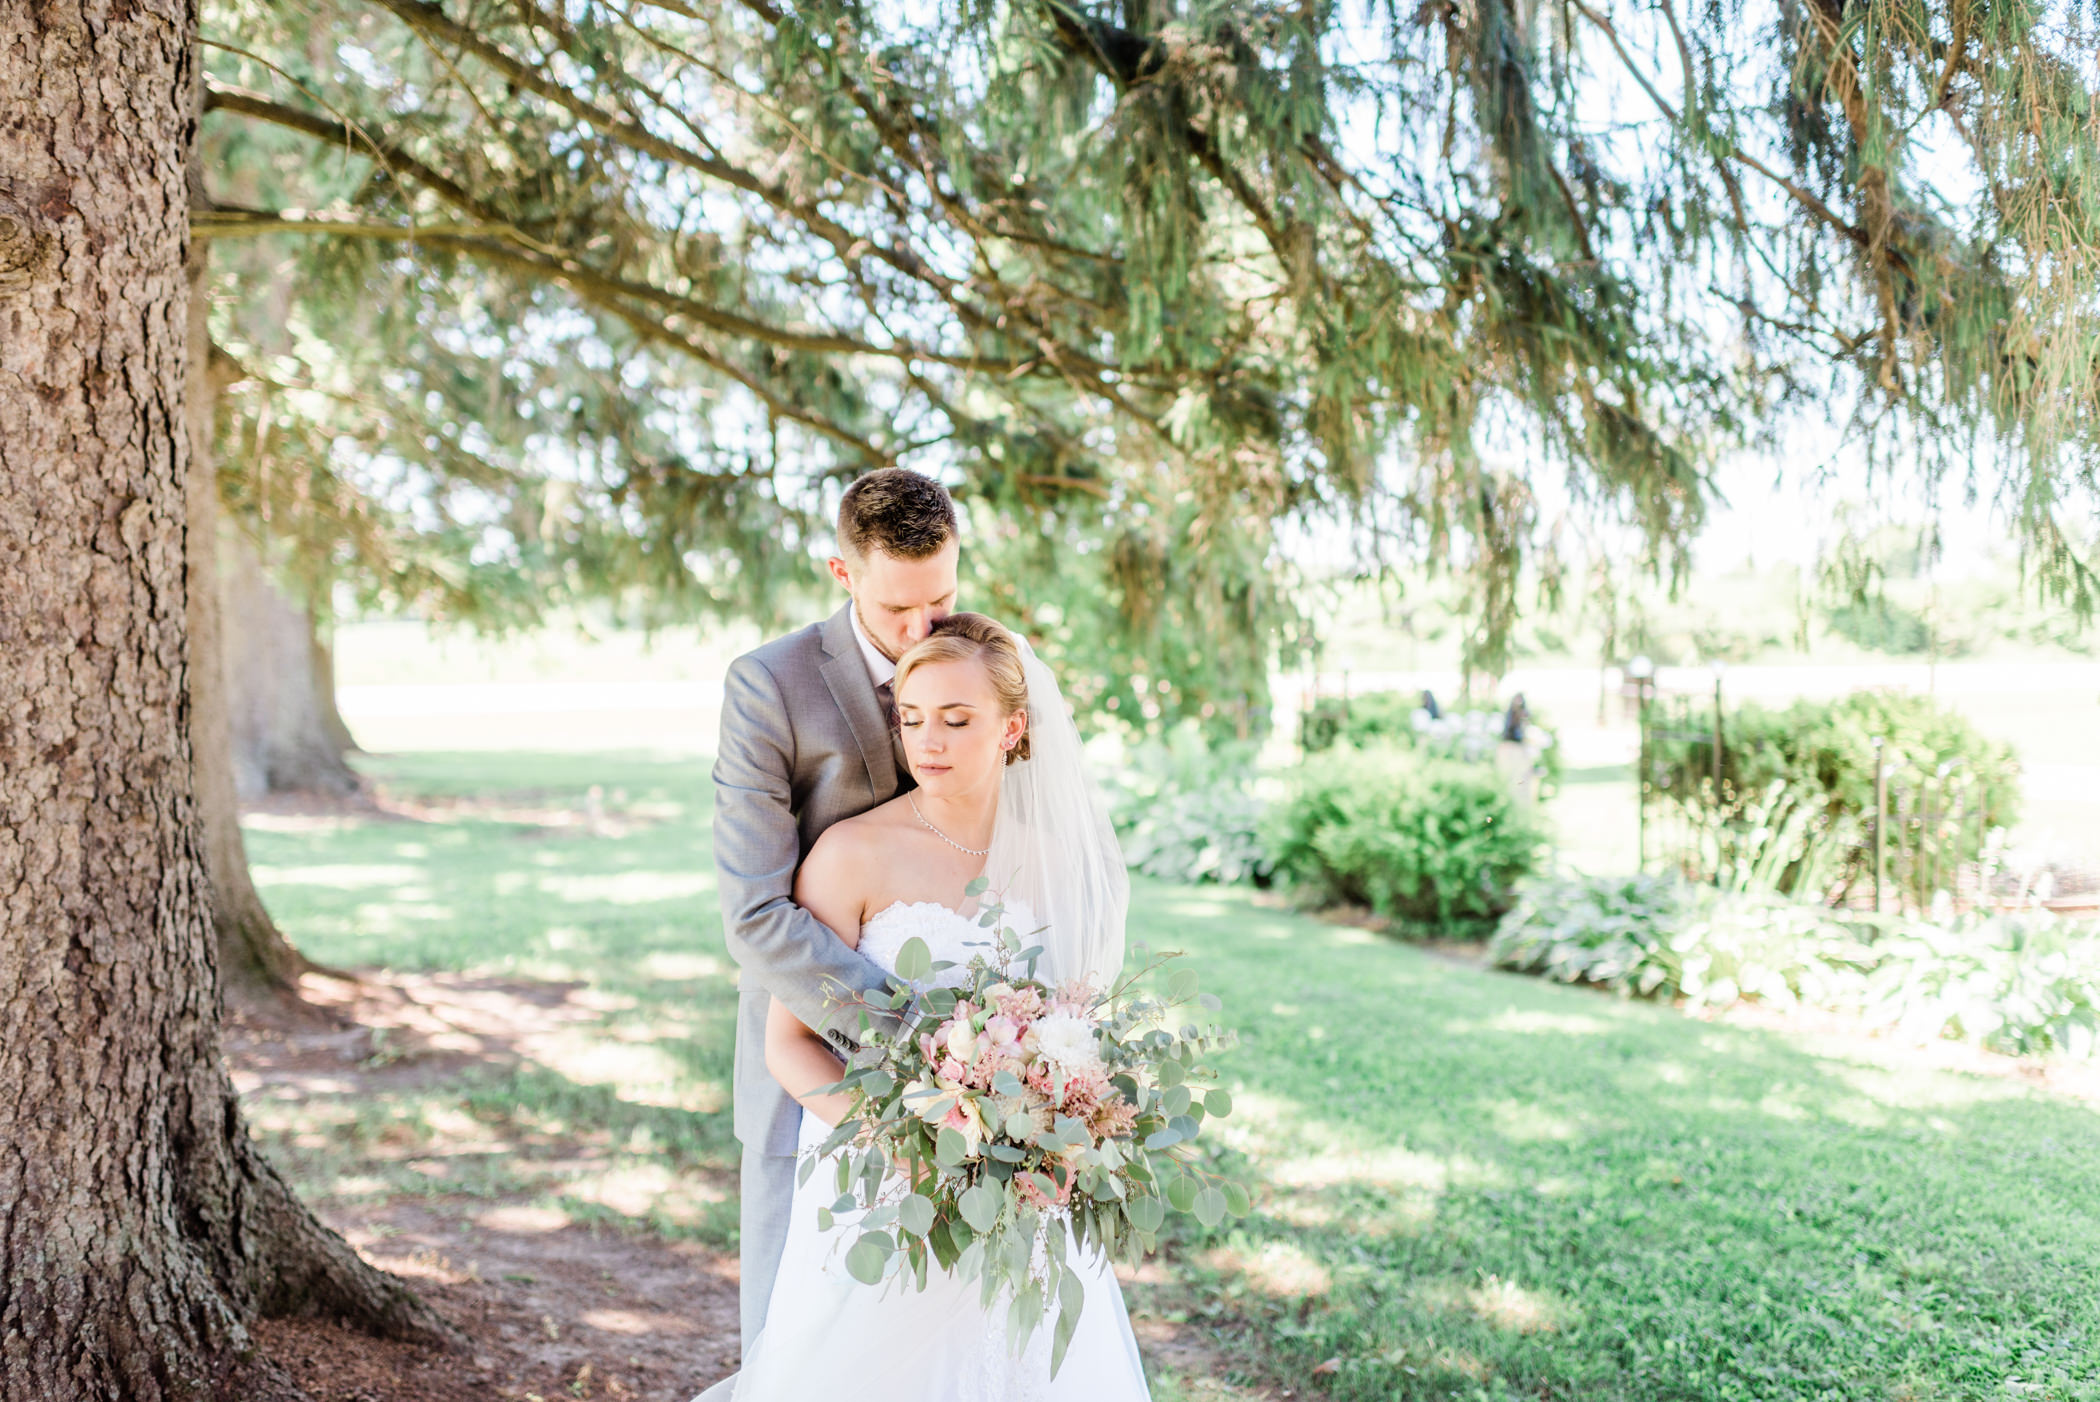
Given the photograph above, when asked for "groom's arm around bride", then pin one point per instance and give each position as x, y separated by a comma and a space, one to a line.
806, 741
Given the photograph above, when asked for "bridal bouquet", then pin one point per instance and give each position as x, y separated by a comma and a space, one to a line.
1005, 1110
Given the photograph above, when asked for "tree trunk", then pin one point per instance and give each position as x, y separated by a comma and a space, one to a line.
139, 1228
254, 956
287, 734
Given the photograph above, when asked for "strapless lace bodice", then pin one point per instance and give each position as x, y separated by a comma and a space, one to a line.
948, 933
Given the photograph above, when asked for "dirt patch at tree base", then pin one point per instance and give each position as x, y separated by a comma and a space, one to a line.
568, 1313
552, 1309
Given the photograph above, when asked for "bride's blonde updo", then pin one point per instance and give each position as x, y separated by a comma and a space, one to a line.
961, 637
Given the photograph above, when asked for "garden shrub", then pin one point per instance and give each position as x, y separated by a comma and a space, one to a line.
1187, 810
1465, 732
1819, 757
1416, 839
2020, 984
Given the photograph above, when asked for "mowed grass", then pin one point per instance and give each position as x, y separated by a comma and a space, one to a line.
1468, 1184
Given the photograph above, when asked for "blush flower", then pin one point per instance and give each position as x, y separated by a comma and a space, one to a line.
1004, 1033
968, 1121
1114, 1119
962, 1041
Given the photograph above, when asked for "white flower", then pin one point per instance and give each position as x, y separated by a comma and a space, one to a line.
1066, 1040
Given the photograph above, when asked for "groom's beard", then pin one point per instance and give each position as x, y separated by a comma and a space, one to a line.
869, 629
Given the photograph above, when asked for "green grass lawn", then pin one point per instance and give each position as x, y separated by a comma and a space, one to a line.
1469, 1184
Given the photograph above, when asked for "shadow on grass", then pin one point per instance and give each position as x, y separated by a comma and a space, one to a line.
1475, 1184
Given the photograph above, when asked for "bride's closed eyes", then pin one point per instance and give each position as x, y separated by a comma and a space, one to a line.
911, 720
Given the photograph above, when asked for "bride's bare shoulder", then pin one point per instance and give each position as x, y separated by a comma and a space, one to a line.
866, 843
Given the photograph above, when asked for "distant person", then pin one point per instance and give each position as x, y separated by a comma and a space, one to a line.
1517, 752
871, 768
1516, 719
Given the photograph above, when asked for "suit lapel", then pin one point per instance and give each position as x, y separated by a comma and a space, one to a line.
846, 673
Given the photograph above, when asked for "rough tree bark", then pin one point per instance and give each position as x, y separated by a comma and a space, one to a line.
139, 1228
254, 956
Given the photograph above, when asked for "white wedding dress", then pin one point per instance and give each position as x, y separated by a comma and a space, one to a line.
829, 1336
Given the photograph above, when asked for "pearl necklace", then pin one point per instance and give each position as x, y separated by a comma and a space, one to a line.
970, 851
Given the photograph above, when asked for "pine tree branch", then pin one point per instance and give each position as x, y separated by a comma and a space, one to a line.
1082, 371
555, 266
428, 19
486, 244
392, 157
1804, 197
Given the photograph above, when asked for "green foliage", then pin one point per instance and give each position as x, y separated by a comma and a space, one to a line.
1472, 733
1372, 718
1187, 811
1417, 839
1881, 625
2018, 984
1798, 782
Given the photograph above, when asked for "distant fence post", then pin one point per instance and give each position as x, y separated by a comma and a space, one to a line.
1641, 672
1717, 737
1881, 821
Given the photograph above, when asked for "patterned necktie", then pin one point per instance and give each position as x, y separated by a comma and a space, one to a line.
886, 697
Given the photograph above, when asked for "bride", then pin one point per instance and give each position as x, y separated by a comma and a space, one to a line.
1002, 793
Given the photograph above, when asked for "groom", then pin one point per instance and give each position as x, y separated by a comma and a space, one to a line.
807, 741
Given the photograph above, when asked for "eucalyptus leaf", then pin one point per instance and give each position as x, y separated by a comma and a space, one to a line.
1061, 1338
915, 960
1071, 1298
1218, 1103
869, 1257
980, 1207
915, 1214
1210, 1207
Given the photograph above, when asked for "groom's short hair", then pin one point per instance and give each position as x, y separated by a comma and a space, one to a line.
896, 511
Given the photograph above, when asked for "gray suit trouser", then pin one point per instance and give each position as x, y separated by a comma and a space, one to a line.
767, 1182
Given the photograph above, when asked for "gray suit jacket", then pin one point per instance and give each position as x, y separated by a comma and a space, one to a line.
804, 743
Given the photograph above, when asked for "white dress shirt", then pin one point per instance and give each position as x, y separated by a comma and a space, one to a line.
881, 670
